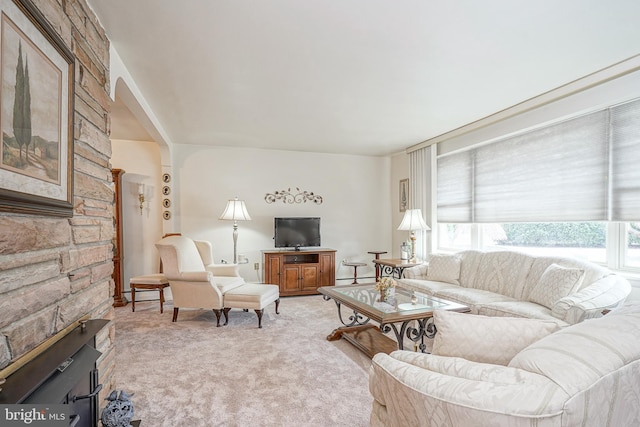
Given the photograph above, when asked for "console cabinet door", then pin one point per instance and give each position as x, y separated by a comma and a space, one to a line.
327, 276
273, 269
291, 279
309, 277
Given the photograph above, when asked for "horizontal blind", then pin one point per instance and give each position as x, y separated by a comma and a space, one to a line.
555, 173
455, 188
550, 174
625, 162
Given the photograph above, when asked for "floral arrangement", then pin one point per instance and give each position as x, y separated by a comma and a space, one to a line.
384, 284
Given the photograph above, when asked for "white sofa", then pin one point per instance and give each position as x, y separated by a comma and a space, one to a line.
587, 374
514, 284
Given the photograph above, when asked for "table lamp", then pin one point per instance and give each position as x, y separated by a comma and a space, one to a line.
235, 211
413, 221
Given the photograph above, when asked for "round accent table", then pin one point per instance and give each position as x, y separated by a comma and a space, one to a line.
355, 266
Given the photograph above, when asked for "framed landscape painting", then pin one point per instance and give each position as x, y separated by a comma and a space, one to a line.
36, 114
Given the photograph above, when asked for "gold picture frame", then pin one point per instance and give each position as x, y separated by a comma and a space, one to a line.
36, 114
403, 194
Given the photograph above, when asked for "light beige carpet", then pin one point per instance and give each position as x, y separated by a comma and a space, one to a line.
190, 373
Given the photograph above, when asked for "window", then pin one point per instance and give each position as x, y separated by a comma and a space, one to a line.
632, 245
570, 188
587, 240
454, 237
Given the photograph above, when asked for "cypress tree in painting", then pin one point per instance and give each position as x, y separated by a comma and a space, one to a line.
22, 107
26, 108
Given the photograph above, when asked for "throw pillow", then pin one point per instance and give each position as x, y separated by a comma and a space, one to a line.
556, 282
486, 339
444, 268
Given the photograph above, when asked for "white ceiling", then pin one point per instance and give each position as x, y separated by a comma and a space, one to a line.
352, 76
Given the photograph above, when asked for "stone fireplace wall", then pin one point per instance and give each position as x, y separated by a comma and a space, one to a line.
55, 270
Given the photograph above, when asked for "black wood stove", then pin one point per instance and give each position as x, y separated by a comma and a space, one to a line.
65, 373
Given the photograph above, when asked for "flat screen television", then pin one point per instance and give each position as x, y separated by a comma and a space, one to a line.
296, 232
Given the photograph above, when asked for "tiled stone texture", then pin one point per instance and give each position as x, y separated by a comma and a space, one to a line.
52, 270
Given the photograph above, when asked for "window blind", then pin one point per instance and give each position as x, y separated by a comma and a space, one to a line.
455, 188
583, 169
625, 162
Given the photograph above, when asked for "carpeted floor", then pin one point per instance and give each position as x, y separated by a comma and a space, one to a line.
190, 373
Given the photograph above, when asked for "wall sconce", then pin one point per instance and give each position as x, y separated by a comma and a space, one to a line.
141, 196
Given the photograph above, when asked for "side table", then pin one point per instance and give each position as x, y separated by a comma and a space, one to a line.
151, 281
377, 254
355, 266
394, 266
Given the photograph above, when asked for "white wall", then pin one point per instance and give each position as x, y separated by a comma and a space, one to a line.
141, 162
355, 213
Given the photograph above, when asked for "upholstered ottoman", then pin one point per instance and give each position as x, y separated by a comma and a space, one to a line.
251, 296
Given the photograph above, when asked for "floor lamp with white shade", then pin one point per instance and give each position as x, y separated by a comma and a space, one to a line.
235, 211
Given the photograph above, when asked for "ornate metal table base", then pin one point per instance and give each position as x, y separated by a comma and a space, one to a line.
426, 329
387, 270
357, 322
355, 319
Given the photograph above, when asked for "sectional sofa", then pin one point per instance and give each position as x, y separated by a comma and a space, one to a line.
514, 284
514, 373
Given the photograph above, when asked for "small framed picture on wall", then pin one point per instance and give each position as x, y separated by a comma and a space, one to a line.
404, 194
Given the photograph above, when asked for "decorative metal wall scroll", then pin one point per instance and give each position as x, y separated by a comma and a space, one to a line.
286, 196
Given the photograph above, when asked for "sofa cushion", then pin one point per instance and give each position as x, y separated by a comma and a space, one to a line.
503, 272
581, 354
471, 297
444, 268
429, 390
226, 283
556, 282
486, 339
516, 308
425, 286
469, 269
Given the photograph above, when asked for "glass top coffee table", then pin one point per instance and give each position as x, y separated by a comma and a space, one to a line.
408, 314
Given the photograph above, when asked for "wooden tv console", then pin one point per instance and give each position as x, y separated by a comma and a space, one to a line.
299, 272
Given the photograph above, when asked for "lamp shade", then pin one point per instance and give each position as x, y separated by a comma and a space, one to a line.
235, 211
413, 221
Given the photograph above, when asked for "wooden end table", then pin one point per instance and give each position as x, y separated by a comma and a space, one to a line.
149, 282
355, 266
377, 254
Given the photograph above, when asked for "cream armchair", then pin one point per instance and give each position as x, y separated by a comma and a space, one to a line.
195, 281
